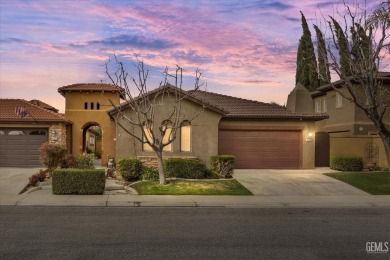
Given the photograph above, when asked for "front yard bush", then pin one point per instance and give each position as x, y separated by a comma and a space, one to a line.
85, 161
346, 163
184, 168
129, 168
223, 165
78, 181
149, 174
52, 155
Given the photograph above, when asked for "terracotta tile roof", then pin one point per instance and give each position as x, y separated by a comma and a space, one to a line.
92, 87
385, 76
244, 108
35, 113
233, 107
43, 105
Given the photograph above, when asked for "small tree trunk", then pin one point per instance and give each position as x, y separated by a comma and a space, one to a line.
386, 142
161, 172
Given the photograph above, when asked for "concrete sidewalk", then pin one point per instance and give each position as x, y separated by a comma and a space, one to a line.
46, 198
289, 189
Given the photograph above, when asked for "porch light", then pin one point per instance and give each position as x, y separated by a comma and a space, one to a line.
309, 137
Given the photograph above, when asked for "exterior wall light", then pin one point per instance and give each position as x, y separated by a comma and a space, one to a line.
309, 137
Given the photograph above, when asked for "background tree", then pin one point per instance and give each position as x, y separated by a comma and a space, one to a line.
146, 122
356, 53
323, 65
306, 72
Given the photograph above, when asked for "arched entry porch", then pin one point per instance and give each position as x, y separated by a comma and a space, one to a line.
91, 140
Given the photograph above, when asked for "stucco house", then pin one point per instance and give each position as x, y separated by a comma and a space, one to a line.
347, 131
24, 126
260, 135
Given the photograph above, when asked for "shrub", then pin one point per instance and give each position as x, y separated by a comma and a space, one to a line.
40, 176
129, 168
97, 154
85, 161
149, 174
346, 163
69, 161
184, 168
88, 150
51, 155
223, 165
78, 181
211, 174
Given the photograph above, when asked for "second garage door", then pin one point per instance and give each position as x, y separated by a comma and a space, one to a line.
20, 147
262, 149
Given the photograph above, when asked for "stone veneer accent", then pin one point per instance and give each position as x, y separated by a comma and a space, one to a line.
151, 161
57, 134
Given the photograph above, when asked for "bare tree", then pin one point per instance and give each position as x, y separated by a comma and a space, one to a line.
155, 129
357, 49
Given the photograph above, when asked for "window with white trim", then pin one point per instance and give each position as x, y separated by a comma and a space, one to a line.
325, 105
185, 137
339, 101
318, 105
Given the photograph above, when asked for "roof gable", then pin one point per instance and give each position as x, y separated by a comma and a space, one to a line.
185, 94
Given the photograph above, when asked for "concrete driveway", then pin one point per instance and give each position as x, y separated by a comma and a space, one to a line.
13, 180
294, 182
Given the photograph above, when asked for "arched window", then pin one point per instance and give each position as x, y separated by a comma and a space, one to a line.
185, 136
167, 126
92, 105
147, 136
98, 106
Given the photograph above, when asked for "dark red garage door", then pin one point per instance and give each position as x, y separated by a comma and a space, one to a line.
19, 147
262, 149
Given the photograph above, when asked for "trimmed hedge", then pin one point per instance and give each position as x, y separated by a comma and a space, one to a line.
149, 174
346, 163
184, 168
129, 168
223, 164
78, 181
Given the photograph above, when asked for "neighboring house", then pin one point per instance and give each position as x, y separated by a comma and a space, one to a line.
259, 135
347, 131
351, 131
24, 127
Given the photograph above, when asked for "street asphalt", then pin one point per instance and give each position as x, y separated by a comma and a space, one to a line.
271, 189
192, 233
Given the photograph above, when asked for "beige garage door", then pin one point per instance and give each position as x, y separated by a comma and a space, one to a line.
262, 149
20, 147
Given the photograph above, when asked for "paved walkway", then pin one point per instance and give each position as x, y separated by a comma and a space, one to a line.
264, 198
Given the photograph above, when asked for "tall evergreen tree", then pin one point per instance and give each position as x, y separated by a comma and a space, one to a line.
306, 72
343, 48
323, 65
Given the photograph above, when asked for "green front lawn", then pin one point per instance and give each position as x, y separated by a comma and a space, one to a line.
186, 187
375, 183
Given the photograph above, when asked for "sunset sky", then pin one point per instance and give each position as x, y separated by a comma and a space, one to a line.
244, 48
